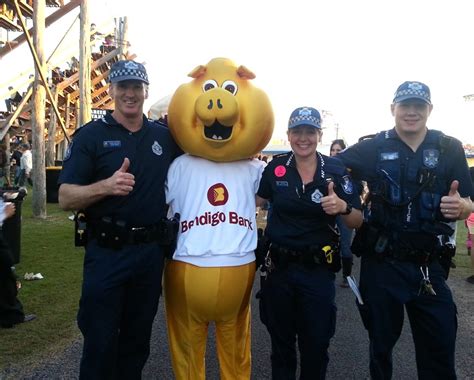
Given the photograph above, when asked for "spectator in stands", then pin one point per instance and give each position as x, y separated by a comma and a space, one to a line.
15, 160
95, 35
108, 45
13, 101
4, 180
26, 165
56, 75
73, 67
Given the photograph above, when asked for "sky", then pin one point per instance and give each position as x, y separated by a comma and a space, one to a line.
342, 56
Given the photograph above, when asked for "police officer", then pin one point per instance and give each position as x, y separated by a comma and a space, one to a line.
418, 181
307, 190
115, 170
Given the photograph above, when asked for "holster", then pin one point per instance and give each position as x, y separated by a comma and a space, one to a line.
80, 229
446, 253
368, 239
263, 245
168, 234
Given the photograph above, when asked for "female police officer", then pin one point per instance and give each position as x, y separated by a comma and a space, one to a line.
307, 190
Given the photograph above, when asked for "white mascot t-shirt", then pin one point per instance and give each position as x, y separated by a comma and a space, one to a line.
216, 202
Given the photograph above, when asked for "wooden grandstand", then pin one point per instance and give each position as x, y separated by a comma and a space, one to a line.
64, 85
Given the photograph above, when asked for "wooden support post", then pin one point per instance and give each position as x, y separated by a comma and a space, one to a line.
51, 143
85, 65
37, 129
123, 38
7, 164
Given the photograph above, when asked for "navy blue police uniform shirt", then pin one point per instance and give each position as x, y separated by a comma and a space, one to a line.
298, 219
97, 151
364, 160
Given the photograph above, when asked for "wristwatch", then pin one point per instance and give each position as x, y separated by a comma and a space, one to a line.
348, 209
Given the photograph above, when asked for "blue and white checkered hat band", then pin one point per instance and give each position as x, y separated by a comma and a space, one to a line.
129, 73
411, 92
311, 119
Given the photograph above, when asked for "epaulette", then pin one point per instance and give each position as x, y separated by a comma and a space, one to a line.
334, 165
367, 137
281, 155
159, 122
79, 129
445, 142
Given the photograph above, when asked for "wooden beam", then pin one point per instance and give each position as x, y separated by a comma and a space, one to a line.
11, 119
74, 78
49, 20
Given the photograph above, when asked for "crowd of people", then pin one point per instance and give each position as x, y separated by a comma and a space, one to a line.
318, 221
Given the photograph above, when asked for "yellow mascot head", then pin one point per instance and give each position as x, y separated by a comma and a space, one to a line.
220, 115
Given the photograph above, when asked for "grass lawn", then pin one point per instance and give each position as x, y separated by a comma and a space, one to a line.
47, 248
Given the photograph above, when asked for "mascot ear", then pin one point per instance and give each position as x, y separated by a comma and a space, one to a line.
245, 73
197, 71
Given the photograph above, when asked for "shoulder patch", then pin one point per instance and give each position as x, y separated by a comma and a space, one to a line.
347, 185
68, 153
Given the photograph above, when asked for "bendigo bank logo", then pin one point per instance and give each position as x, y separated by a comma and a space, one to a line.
217, 195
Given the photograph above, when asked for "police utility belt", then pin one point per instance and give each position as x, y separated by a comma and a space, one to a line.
327, 255
374, 242
114, 234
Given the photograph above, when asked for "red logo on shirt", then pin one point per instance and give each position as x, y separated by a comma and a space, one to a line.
280, 171
217, 195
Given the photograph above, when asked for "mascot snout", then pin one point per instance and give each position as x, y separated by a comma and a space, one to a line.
218, 111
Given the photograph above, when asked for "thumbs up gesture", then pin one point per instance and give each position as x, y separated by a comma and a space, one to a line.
451, 205
331, 203
121, 182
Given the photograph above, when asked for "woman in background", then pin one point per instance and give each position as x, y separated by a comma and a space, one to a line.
347, 233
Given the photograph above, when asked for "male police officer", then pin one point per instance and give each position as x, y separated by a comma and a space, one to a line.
418, 181
115, 170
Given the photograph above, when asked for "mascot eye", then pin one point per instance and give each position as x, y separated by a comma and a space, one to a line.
209, 85
230, 86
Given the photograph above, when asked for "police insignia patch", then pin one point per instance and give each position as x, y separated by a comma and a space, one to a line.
67, 155
316, 196
157, 149
347, 185
430, 158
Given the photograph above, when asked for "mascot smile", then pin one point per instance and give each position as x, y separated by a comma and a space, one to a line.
221, 120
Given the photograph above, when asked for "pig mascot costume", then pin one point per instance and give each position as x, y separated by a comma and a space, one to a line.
221, 121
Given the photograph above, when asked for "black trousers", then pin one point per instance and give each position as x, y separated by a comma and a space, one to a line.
11, 309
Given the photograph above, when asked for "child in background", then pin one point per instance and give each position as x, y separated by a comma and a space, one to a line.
469, 222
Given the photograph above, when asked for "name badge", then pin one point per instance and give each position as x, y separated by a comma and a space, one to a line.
112, 144
389, 156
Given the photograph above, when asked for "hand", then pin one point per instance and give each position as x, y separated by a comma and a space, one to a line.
452, 204
332, 204
9, 210
121, 183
